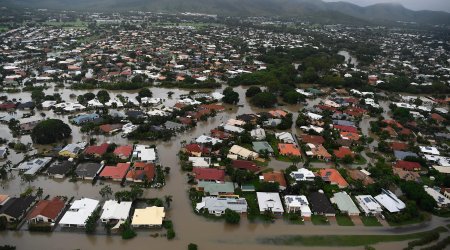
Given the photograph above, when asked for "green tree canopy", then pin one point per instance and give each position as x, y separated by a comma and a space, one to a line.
103, 96
50, 131
264, 100
252, 91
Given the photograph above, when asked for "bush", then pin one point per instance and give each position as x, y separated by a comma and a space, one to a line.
252, 91
232, 217
170, 234
127, 231
192, 246
423, 241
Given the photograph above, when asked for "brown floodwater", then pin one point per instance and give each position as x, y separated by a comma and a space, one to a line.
188, 226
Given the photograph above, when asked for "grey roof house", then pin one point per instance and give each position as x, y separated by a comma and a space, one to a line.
218, 206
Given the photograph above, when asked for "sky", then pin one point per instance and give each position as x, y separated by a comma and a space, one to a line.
442, 5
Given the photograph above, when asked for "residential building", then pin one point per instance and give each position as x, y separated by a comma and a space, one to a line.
115, 173
320, 205
148, 217
84, 118
286, 137
297, 203
216, 189
114, 211
242, 153
46, 211
72, 150
97, 151
217, 206
141, 172
31, 167
262, 146
274, 176
345, 203
78, 213
245, 165
144, 153
270, 202
258, 134
209, 174
123, 152
333, 177
390, 201
88, 170
440, 199
15, 208
59, 169
303, 174
408, 165
289, 150
368, 204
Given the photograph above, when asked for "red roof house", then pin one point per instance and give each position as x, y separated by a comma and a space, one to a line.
333, 176
313, 139
123, 152
344, 128
408, 165
400, 146
140, 172
209, 174
97, 151
115, 173
245, 165
46, 211
195, 149
342, 152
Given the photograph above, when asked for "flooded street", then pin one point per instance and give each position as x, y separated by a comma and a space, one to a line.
188, 226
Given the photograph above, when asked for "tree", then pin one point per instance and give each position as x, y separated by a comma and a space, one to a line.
39, 193
192, 246
292, 97
232, 217
252, 91
145, 92
50, 131
91, 221
168, 199
167, 170
28, 178
170, 234
105, 191
37, 95
103, 96
230, 96
127, 231
264, 100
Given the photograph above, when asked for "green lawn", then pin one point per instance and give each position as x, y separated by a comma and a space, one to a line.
344, 240
370, 221
415, 220
344, 220
319, 220
293, 218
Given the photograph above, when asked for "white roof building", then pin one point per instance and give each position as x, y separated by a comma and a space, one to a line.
312, 127
345, 203
78, 213
113, 210
440, 199
233, 129
144, 153
368, 204
217, 206
295, 203
200, 162
243, 152
314, 116
204, 139
33, 166
390, 201
285, 137
303, 174
270, 201
429, 150
258, 134
148, 217
95, 103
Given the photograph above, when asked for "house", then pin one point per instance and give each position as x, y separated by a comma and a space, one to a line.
440, 199
219, 134
258, 134
15, 208
350, 136
216, 189
286, 137
296, 203
242, 153
200, 162
399, 146
26, 106
148, 217
390, 201
85, 118
96, 151
333, 177
144, 153
3, 199
27, 127
204, 139
209, 174
345, 203
407, 175
174, 125
245, 165
262, 146
274, 176
303, 174
408, 165
318, 151
115, 173
59, 169
88, 170
110, 128
3, 152
46, 211
141, 172
401, 155
114, 211
289, 150
313, 139
360, 175
342, 152
72, 150
368, 204
429, 150
270, 202
343, 128
79, 212
271, 122
320, 204
233, 129
123, 152
217, 206
31, 167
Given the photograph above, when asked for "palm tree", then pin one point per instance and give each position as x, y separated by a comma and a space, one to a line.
168, 199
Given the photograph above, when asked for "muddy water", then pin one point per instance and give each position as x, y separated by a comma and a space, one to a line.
189, 227
348, 56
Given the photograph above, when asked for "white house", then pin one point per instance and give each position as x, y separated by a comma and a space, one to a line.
390, 201
200, 162
440, 199
303, 174
242, 152
429, 150
258, 134
270, 202
295, 203
78, 213
217, 206
368, 204
285, 137
144, 153
204, 139
114, 211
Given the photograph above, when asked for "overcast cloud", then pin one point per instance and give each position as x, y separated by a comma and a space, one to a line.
443, 5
